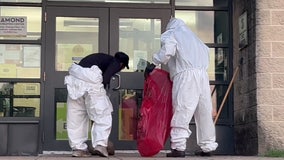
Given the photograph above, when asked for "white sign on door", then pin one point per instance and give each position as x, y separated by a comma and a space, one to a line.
243, 39
13, 26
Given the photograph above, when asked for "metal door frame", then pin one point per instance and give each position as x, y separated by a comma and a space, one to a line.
52, 76
127, 78
108, 43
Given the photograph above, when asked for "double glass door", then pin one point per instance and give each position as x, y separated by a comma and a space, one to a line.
72, 33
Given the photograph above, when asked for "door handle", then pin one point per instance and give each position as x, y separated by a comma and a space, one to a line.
118, 86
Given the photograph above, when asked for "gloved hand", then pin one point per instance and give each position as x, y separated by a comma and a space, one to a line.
148, 70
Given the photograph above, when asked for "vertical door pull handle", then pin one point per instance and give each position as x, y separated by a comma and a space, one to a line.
118, 86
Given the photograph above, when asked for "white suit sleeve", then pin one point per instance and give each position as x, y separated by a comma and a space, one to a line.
167, 50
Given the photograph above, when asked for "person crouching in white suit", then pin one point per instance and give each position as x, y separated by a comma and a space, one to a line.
88, 100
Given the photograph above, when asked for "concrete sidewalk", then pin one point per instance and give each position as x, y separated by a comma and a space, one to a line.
132, 156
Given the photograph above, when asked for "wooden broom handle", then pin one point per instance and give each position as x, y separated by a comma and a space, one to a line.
226, 95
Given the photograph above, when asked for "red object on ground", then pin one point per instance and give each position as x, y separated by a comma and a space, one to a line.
155, 113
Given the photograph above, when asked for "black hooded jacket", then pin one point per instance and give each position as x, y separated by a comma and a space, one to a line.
107, 64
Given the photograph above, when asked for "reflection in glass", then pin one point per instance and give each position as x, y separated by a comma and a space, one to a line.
214, 100
218, 65
26, 107
19, 99
194, 2
208, 25
20, 61
217, 93
128, 112
75, 38
140, 39
221, 63
60, 98
216, 3
200, 22
33, 25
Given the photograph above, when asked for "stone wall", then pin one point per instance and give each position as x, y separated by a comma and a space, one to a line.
259, 89
245, 103
270, 74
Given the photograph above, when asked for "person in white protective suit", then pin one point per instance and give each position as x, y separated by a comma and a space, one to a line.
87, 100
187, 58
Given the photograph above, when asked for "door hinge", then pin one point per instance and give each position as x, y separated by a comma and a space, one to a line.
44, 76
45, 17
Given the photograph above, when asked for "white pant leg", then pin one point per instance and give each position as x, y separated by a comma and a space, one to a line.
101, 130
77, 123
205, 129
185, 99
99, 110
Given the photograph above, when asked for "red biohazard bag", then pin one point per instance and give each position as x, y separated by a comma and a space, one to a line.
155, 113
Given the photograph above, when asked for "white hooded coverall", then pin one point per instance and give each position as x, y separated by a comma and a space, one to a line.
87, 100
187, 58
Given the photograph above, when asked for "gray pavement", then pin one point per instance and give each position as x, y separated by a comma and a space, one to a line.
132, 156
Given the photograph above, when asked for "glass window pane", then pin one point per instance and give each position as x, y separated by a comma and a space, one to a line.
4, 98
221, 30
19, 99
19, 61
61, 110
131, 101
214, 101
216, 3
200, 22
140, 39
26, 107
75, 38
25, 1
60, 98
120, 1
208, 25
218, 66
217, 94
20, 23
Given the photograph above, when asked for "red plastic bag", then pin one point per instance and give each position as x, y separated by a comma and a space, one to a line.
155, 113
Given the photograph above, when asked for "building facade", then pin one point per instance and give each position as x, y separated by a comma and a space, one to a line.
40, 39
258, 100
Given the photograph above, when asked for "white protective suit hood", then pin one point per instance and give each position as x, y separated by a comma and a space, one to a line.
174, 23
181, 49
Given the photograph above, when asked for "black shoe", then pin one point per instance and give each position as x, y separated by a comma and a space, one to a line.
203, 154
176, 153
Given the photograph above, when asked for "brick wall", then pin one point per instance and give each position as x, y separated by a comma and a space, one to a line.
259, 89
270, 73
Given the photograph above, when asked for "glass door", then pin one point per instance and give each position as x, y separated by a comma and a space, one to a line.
71, 34
137, 33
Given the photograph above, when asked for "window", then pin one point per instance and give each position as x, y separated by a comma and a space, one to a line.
19, 99
216, 3
209, 20
20, 60
120, 1
24, 1
20, 23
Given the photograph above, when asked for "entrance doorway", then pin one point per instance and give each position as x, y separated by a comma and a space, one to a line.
71, 34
